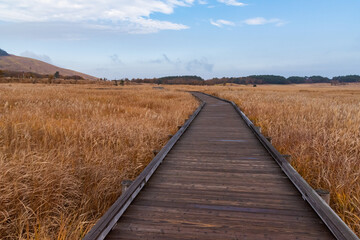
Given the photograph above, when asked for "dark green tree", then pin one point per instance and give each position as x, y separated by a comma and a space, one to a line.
57, 75
348, 78
296, 80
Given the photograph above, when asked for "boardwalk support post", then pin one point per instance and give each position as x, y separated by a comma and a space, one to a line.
324, 194
269, 139
259, 128
155, 152
125, 184
287, 158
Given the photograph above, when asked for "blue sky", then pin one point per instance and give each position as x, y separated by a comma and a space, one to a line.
209, 38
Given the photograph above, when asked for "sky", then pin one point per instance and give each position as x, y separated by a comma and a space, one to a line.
210, 38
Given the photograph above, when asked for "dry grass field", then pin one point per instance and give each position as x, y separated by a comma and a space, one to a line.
319, 125
65, 149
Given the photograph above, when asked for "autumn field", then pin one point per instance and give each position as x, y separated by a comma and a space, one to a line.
66, 148
319, 126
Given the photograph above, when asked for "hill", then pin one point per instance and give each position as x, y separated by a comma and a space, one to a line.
24, 64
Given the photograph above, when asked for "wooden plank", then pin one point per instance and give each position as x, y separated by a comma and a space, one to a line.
209, 215
228, 170
250, 201
132, 232
192, 227
228, 195
204, 187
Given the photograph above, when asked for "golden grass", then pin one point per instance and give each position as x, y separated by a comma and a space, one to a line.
65, 150
319, 125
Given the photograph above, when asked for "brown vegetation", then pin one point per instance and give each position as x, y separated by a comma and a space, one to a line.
319, 126
65, 150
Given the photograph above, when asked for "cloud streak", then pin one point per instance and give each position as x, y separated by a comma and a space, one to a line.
193, 65
251, 21
199, 64
116, 13
220, 23
115, 59
263, 21
41, 57
232, 3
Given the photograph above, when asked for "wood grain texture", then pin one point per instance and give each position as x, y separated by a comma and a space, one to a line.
219, 182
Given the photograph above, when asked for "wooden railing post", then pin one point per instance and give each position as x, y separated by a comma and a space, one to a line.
287, 158
324, 194
125, 184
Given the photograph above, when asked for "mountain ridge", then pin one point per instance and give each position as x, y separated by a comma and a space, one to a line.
3, 53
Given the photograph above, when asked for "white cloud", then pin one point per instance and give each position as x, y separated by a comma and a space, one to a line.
115, 59
232, 3
190, 66
143, 25
199, 64
221, 23
165, 59
116, 13
41, 57
263, 21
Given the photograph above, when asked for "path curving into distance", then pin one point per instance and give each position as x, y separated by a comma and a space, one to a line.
219, 182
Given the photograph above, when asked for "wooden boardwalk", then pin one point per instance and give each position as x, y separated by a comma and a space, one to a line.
219, 182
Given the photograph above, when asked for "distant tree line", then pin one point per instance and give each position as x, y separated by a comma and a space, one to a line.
196, 80
190, 80
270, 79
252, 79
15, 74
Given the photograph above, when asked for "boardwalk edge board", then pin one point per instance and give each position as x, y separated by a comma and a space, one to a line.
335, 224
101, 229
